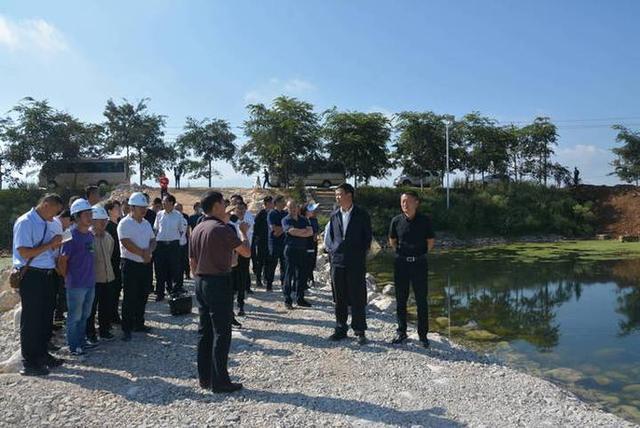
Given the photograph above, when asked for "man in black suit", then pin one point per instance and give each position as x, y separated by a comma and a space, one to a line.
347, 239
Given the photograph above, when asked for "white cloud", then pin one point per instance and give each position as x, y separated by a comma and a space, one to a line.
31, 35
275, 87
592, 161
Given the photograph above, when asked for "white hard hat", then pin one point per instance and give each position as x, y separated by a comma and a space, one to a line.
80, 205
99, 213
138, 199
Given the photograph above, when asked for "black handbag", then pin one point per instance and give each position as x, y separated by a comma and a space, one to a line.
180, 304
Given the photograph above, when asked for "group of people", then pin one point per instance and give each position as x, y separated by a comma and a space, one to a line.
92, 251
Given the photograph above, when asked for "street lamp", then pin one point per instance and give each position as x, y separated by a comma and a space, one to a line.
447, 123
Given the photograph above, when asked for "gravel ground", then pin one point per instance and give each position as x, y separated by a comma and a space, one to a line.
293, 377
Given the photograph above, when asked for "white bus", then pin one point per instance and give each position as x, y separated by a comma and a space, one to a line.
84, 172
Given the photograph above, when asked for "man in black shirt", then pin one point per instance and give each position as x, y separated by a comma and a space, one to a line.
411, 235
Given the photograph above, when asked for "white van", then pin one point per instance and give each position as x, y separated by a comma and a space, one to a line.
84, 172
324, 174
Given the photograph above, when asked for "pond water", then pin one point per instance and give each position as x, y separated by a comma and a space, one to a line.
571, 321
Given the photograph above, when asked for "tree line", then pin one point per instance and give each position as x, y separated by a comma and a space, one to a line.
289, 137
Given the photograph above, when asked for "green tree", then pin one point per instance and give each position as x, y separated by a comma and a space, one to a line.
627, 165
279, 137
139, 133
486, 142
515, 146
35, 133
539, 139
421, 144
358, 141
209, 139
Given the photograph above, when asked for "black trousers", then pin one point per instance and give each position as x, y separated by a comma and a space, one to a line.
136, 281
37, 295
295, 278
259, 257
414, 275
239, 277
103, 306
116, 289
168, 264
60, 299
214, 295
275, 256
57, 283
186, 269
350, 290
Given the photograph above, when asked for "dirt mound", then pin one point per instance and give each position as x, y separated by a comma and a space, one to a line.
617, 207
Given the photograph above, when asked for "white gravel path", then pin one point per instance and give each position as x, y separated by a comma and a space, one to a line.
293, 377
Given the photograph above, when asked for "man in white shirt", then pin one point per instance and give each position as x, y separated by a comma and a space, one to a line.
169, 228
137, 243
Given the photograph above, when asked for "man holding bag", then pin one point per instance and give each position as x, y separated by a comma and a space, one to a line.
34, 261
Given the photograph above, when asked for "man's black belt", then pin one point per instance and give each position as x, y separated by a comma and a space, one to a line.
412, 259
166, 243
45, 271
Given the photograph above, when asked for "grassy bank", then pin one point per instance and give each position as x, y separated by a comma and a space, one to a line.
511, 210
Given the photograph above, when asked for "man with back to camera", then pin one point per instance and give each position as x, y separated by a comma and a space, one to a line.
411, 236
348, 238
275, 242
210, 251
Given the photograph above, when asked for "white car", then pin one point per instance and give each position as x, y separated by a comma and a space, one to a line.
430, 179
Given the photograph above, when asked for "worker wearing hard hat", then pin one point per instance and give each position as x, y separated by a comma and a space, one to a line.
137, 243
76, 264
105, 277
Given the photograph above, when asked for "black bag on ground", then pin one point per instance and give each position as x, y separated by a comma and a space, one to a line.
180, 304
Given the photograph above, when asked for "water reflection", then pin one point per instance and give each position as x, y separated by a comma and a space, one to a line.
575, 322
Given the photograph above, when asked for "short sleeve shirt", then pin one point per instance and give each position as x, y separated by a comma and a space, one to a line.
80, 265
274, 218
140, 233
211, 246
295, 242
412, 234
28, 231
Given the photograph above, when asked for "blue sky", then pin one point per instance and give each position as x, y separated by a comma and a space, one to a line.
575, 61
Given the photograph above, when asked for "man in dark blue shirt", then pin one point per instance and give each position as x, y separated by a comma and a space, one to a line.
297, 231
259, 243
276, 242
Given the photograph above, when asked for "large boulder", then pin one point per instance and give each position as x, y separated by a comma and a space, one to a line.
384, 303
13, 364
481, 335
8, 300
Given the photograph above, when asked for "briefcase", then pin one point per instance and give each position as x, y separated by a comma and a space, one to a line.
181, 304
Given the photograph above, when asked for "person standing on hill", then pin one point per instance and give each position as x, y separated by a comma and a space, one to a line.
164, 185
348, 238
411, 236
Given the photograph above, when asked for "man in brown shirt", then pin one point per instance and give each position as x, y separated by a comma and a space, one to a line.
210, 250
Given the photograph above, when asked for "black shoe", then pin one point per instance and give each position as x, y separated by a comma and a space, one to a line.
126, 337
288, 305
269, 287
106, 336
35, 371
231, 387
236, 323
399, 338
241, 313
51, 347
338, 335
205, 384
51, 361
142, 329
249, 291
362, 339
303, 303
259, 284
425, 342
